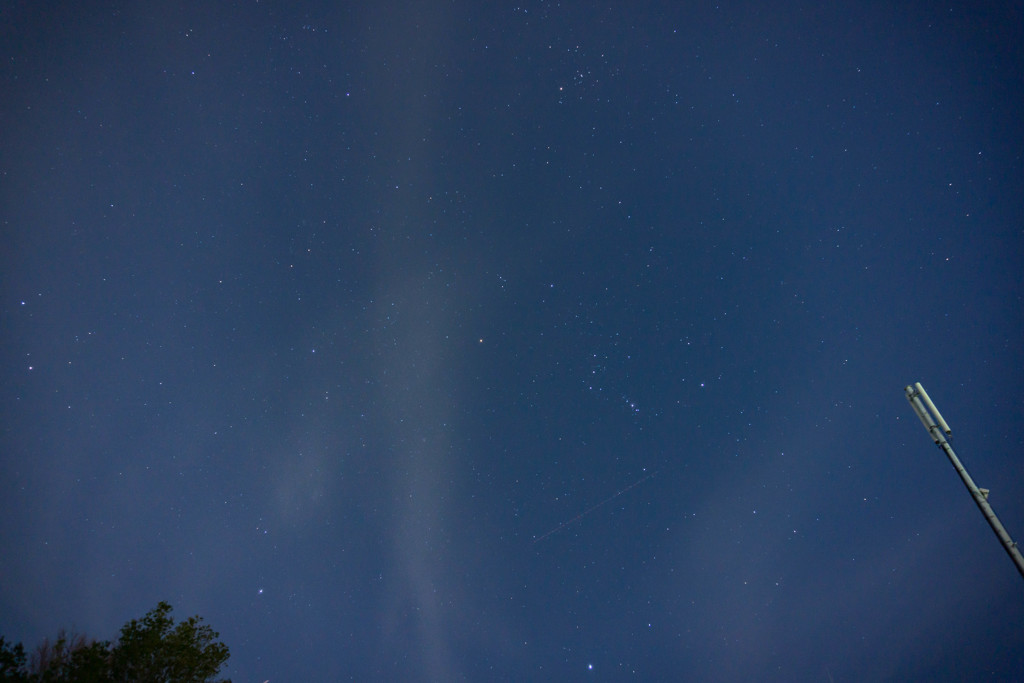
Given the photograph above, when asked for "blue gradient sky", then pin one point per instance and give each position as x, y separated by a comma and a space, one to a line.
317, 316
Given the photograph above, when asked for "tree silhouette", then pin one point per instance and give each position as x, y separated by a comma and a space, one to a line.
68, 658
150, 650
12, 662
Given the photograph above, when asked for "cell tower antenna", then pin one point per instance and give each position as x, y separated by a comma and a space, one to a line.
939, 430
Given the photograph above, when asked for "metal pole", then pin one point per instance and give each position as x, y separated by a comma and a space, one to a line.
929, 416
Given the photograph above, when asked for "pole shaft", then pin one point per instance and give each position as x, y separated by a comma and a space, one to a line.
936, 432
986, 509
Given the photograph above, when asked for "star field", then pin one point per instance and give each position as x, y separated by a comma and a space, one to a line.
537, 341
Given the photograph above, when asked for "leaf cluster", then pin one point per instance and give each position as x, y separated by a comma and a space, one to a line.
150, 650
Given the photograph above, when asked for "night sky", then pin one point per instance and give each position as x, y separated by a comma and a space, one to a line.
516, 341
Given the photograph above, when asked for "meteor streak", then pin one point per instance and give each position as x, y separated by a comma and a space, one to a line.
591, 509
